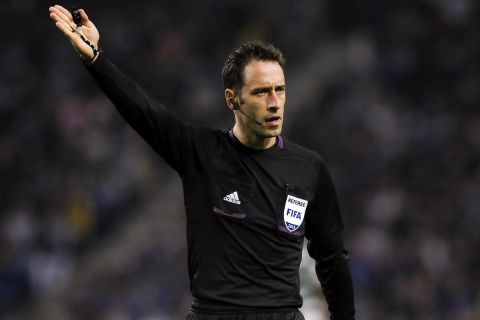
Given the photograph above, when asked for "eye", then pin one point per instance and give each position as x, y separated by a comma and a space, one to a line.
261, 92
280, 89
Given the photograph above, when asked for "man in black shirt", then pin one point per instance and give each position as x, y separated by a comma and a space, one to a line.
251, 196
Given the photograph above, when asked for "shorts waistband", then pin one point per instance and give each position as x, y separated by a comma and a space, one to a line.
203, 308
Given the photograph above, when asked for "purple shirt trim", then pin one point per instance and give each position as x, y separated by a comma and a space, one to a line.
284, 229
237, 215
280, 142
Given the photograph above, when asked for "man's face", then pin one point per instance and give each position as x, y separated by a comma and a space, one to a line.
262, 97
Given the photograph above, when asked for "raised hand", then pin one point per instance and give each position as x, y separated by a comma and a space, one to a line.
64, 21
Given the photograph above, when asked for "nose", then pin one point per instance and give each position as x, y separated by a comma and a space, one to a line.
273, 102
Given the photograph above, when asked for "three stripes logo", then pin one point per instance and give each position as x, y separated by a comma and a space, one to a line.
233, 198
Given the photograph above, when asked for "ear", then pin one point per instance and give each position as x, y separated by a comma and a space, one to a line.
230, 98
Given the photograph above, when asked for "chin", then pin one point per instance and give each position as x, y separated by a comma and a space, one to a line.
272, 133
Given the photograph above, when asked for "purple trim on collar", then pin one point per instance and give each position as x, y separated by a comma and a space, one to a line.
280, 141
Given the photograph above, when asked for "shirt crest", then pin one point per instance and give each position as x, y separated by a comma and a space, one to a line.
294, 212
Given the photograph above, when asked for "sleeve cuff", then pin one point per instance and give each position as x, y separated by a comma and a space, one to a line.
98, 62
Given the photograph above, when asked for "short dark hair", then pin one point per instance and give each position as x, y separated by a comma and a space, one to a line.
232, 72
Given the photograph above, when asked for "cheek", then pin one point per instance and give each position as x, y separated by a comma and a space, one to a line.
256, 108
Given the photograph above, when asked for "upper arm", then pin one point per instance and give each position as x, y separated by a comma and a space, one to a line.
324, 226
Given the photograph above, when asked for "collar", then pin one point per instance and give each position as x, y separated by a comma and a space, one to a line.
279, 142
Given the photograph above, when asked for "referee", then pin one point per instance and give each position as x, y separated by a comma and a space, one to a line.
251, 196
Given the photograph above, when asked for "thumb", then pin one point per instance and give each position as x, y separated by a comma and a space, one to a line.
84, 16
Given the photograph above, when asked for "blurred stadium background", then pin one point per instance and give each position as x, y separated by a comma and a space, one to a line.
91, 221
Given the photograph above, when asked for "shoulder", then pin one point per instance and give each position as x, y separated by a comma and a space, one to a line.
308, 157
296, 150
207, 139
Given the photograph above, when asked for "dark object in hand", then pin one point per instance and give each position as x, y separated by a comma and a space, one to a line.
76, 15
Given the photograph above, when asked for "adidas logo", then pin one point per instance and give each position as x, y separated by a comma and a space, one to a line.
233, 198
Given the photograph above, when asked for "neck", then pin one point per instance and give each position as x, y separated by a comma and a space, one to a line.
253, 141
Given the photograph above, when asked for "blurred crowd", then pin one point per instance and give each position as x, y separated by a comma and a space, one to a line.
84, 229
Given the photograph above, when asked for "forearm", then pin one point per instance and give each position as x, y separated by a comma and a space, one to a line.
334, 275
132, 102
335, 278
164, 132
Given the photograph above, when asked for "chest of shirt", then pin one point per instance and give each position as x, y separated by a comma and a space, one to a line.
262, 190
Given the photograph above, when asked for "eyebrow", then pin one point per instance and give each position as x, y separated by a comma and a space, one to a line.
266, 88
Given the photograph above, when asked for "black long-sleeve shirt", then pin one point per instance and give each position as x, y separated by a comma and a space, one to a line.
248, 211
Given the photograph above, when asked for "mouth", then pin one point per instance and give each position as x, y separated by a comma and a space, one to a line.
273, 121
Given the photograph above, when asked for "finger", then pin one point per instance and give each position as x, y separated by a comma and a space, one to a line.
64, 11
84, 16
61, 21
67, 18
66, 30
56, 15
